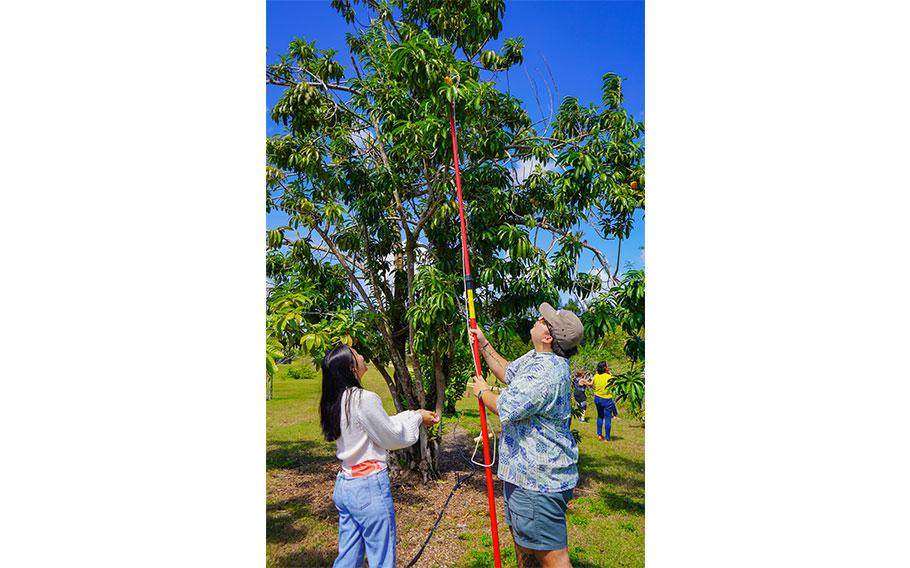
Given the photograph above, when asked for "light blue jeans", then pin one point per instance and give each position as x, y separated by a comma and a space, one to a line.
366, 520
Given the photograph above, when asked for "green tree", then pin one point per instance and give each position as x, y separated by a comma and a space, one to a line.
363, 171
623, 308
273, 352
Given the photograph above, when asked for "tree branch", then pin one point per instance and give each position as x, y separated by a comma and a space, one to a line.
353, 262
601, 258
377, 133
428, 214
342, 259
618, 250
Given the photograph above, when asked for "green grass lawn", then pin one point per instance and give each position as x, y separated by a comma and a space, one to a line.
606, 518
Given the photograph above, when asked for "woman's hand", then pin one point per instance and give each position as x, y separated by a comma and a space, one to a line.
478, 385
481, 338
429, 418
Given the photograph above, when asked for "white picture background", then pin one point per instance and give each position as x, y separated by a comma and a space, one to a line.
132, 234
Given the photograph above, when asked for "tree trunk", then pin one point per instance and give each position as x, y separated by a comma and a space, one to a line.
404, 384
428, 469
413, 392
422, 457
411, 260
432, 446
396, 398
402, 378
440, 383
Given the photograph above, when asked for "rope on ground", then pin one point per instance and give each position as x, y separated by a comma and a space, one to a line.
439, 517
458, 482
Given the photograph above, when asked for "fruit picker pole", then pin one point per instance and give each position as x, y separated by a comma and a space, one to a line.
475, 348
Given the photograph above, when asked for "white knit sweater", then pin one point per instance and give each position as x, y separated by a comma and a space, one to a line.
368, 432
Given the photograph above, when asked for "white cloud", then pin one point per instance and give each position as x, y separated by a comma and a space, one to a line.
360, 137
605, 280
524, 168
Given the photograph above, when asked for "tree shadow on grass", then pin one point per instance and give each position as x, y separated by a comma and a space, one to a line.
306, 558
281, 521
620, 479
279, 528
289, 455
594, 467
617, 502
281, 518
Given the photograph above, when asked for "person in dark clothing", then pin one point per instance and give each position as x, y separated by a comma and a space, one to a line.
579, 383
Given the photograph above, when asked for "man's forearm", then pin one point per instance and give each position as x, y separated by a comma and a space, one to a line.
495, 361
489, 399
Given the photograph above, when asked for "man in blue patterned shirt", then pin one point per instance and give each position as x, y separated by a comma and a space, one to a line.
538, 456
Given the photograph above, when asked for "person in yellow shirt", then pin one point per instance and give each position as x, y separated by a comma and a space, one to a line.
603, 400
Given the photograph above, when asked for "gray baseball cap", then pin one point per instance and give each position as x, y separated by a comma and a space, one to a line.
565, 326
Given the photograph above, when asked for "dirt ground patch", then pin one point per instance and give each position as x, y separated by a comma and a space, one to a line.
303, 522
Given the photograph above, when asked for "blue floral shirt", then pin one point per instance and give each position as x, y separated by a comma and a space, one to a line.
536, 448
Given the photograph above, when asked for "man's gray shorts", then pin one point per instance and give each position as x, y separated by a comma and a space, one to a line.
538, 520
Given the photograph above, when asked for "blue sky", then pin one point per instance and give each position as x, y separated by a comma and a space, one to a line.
569, 45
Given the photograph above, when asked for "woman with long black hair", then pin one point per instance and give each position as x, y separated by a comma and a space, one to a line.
363, 433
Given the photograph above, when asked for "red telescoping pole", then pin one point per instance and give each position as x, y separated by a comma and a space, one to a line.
472, 323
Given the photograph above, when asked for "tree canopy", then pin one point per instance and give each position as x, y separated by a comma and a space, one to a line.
363, 170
